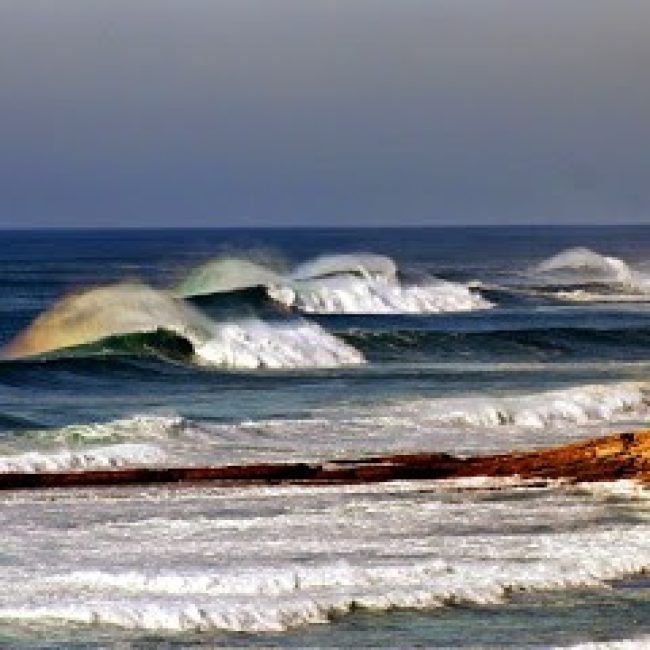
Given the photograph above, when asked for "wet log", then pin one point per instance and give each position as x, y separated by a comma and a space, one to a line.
624, 455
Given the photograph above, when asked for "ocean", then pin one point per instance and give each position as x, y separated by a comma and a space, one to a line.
195, 347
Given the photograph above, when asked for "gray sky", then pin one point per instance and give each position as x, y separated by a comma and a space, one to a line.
324, 112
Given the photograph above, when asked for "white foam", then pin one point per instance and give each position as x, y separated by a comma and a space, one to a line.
473, 424
639, 643
354, 283
582, 295
137, 426
463, 425
127, 308
351, 294
377, 570
575, 405
252, 343
82, 459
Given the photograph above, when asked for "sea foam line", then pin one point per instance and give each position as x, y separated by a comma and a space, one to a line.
77, 459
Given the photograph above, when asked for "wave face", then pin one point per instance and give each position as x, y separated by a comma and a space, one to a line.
360, 283
96, 314
122, 310
227, 274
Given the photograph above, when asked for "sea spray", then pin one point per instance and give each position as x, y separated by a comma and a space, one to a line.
353, 283
127, 308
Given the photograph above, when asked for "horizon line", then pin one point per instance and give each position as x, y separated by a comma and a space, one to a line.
456, 226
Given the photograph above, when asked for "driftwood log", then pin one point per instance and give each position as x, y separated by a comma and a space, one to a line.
623, 455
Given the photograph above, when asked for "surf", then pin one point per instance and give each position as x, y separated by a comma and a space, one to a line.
351, 283
114, 314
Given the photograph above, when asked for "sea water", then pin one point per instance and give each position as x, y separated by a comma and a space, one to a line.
162, 348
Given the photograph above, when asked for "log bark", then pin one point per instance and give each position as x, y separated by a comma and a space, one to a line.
623, 455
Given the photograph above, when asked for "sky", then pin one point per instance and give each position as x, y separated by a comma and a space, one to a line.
323, 112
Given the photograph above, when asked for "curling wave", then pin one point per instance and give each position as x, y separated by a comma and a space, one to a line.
583, 275
360, 283
122, 310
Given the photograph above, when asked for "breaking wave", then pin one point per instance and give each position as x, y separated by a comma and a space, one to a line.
378, 295
471, 424
576, 405
123, 429
360, 283
583, 275
106, 315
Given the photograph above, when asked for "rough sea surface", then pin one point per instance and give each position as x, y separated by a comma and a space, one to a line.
184, 347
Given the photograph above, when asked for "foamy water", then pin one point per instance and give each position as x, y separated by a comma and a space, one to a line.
273, 559
107, 457
378, 295
456, 425
252, 343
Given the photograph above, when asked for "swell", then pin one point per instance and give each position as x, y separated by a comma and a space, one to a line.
532, 344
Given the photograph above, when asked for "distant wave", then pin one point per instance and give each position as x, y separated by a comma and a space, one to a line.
582, 275
359, 283
112, 315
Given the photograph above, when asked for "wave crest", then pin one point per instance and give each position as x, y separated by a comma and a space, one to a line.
128, 308
353, 283
583, 263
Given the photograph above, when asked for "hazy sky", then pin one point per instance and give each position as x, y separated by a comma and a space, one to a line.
265, 112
